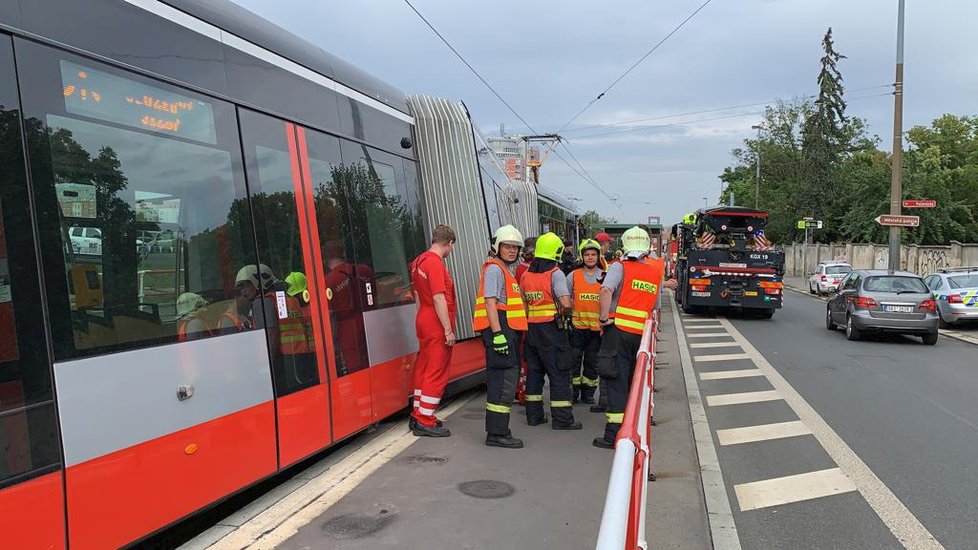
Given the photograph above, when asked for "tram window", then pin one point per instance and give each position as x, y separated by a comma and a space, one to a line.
141, 201
28, 435
379, 210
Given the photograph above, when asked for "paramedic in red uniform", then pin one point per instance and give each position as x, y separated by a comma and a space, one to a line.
434, 293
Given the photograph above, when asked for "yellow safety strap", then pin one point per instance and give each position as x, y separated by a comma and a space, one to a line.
292, 339
587, 315
633, 312
534, 397
559, 404
588, 382
492, 407
615, 418
627, 323
576, 380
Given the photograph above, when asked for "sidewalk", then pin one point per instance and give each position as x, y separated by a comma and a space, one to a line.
408, 492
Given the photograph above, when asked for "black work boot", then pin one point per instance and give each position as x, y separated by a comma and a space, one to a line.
537, 421
575, 425
412, 422
599, 408
504, 441
602, 443
433, 431
607, 441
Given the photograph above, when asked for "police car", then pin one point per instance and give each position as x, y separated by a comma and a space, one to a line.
956, 292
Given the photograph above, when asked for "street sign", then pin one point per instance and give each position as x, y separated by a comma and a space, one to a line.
898, 221
809, 224
655, 220
920, 203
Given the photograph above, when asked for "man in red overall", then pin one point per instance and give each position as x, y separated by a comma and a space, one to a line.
434, 293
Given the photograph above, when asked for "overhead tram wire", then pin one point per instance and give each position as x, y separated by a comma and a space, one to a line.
587, 179
711, 110
688, 122
471, 68
634, 65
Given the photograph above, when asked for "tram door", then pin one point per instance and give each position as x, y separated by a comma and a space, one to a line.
297, 298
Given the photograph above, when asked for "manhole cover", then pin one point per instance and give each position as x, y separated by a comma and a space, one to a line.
355, 526
425, 459
486, 488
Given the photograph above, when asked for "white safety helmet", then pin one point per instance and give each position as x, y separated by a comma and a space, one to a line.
635, 242
506, 234
188, 302
261, 276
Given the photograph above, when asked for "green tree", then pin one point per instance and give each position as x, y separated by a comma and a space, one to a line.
592, 222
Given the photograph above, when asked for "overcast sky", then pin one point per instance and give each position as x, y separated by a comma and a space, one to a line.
548, 59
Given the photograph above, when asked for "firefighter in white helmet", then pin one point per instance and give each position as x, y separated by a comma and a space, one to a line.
628, 295
500, 316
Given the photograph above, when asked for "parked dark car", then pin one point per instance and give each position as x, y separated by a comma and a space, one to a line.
875, 300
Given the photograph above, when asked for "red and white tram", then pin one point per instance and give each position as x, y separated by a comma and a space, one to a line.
151, 152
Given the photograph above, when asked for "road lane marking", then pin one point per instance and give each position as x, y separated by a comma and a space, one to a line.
710, 320
764, 432
704, 327
788, 489
742, 398
901, 522
283, 519
723, 530
725, 374
704, 345
707, 335
720, 357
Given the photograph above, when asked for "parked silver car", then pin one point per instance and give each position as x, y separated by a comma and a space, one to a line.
956, 292
876, 300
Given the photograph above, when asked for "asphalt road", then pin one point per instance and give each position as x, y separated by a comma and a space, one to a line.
907, 410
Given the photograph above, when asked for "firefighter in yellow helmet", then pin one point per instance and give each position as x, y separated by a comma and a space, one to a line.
628, 295
584, 284
500, 316
547, 349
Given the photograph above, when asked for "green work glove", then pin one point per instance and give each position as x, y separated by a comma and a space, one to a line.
499, 344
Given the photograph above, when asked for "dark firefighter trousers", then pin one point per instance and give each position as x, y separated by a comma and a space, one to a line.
548, 354
502, 373
585, 345
616, 361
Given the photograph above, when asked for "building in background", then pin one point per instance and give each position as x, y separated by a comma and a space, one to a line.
511, 152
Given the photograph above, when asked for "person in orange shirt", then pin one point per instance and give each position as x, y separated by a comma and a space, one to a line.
628, 295
434, 293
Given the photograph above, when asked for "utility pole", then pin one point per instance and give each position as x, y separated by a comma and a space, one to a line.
896, 180
757, 176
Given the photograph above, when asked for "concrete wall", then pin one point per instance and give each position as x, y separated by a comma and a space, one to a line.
922, 260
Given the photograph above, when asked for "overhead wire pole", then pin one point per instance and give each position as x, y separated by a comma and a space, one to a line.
896, 179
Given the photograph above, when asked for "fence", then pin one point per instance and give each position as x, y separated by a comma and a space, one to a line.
623, 519
921, 260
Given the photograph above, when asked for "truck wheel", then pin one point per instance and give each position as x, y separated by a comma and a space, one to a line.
689, 309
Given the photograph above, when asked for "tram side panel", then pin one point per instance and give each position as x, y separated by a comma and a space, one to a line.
160, 398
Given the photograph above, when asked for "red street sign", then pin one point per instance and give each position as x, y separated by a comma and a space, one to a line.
898, 221
922, 203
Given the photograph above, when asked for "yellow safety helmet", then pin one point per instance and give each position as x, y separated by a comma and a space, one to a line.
635, 241
298, 284
589, 243
549, 247
689, 219
506, 234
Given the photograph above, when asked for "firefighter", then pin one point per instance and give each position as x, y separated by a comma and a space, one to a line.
584, 284
628, 295
547, 349
298, 288
293, 360
190, 323
526, 256
607, 256
500, 318
434, 325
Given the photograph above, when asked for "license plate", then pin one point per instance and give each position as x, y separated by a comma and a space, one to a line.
750, 293
898, 309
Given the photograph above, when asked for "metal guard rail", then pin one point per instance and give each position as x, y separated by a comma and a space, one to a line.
623, 519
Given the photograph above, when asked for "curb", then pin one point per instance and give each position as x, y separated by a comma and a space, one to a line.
959, 336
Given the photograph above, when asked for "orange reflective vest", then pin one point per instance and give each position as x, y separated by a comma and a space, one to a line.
639, 291
587, 309
292, 335
515, 314
539, 296
182, 330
